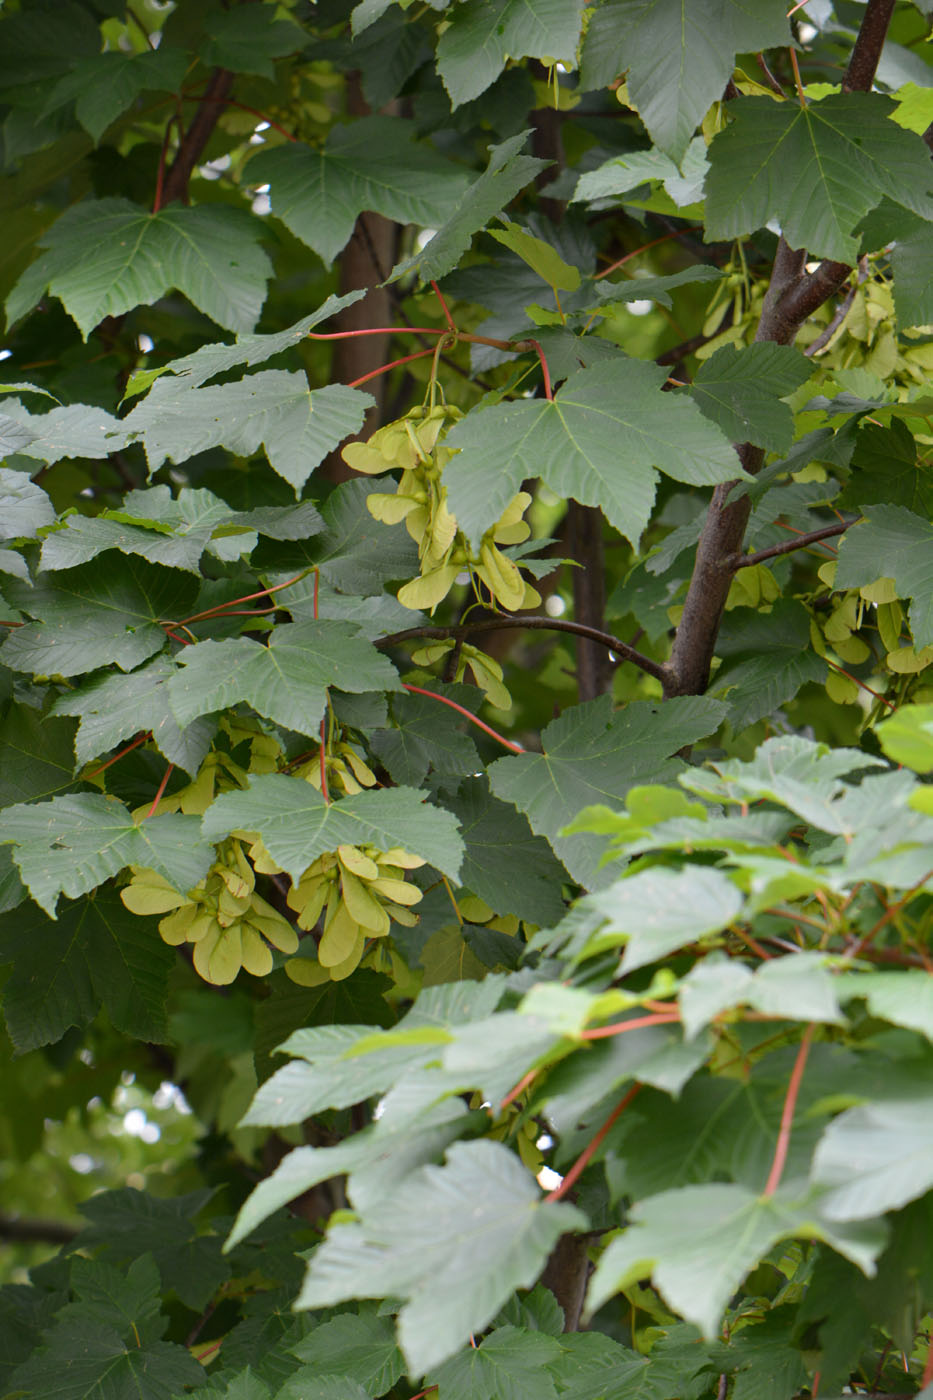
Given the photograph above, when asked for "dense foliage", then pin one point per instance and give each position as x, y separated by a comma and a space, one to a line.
466, 699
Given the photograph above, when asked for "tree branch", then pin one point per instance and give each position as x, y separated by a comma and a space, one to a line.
23, 1230
197, 136
744, 561
555, 624
792, 296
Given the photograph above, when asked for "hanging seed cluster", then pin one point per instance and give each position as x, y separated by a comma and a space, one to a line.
415, 445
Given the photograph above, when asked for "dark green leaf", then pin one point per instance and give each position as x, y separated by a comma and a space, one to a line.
573, 444
246, 39
767, 658
509, 1364
105, 613
425, 736
96, 953
104, 85
483, 34
741, 391
358, 1345
106, 256
36, 755
816, 170
594, 755
370, 164
893, 543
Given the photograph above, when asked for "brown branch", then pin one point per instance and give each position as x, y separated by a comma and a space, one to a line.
192, 144
555, 624
841, 312
792, 296
23, 1230
585, 546
744, 561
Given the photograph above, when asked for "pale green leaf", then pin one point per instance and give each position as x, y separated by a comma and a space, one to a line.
113, 707
815, 170
372, 163
698, 1243
74, 430
620, 174
374, 1160
273, 409
903, 997
541, 257
24, 507
104, 257
296, 824
453, 1254
875, 1158
654, 912
71, 845
483, 34
602, 441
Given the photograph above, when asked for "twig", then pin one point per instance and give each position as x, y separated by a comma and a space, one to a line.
588, 1152
744, 561
556, 624
197, 136
841, 312
787, 1116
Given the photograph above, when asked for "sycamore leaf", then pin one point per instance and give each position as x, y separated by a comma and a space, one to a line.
105, 85
424, 735
509, 1364
286, 681
506, 864
96, 1361
905, 998
767, 657
875, 1157
594, 755
679, 55
174, 530
102, 614
251, 349
246, 39
741, 392
72, 844
24, 507
507, 172
683, 182
699, 1242
273, 409
103, 257
74, 430
113, 707
892, 542
414, 1243
657, 911
360, 1346
96, 953
483, 34
815, 170
372, 163
600, 441
36, 757
374, 1160
646, 289
296, 824
792, 771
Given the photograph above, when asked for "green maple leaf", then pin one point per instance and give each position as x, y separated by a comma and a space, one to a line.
893, 542
601, 441
483, 34
594, 755
101, 614
741, 391
816, 170
413, 1244
373, 164
286, 681
273, 409
296, 824
104, 257
96, 953
679, 55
